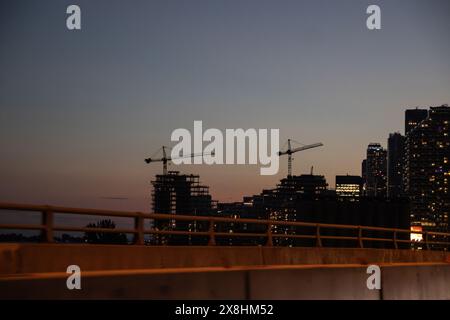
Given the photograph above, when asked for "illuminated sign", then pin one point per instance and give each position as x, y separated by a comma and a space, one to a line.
416, 236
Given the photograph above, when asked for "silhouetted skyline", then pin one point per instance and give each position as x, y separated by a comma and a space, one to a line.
81, 110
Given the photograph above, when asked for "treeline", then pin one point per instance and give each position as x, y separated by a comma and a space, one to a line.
94, 237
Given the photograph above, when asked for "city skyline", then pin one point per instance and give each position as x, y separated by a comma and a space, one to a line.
80, 111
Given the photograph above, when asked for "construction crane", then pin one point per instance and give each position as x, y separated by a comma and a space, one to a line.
165, 159
291, 151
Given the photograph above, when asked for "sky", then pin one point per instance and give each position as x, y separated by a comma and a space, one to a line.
81, 110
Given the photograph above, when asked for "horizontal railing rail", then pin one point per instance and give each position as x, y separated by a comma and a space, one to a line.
48, 228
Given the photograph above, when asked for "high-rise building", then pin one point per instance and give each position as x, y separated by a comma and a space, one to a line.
413, 117
307, 185
348, 187
175, 193
280, 203
395, 165
364, 177
282, 198
376, 167
427, 170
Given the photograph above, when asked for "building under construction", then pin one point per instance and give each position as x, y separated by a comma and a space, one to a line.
181, 194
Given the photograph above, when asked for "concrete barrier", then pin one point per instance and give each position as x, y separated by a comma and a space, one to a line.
324, 283
406, 281
421, 282
142, 284
37, 271
38, 258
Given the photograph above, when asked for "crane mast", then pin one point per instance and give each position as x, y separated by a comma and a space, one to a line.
164, 160
289, 159
289, 152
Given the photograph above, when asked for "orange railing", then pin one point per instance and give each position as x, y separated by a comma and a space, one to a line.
431, 240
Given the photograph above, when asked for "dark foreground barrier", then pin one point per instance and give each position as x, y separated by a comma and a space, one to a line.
425, 281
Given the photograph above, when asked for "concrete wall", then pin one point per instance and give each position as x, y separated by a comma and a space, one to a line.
421, 282
36, 258
132, 285
270, 283
37, 271
332, 283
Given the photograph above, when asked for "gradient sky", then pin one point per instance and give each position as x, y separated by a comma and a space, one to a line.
80, 110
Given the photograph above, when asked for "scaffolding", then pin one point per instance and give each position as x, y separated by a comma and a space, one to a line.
181, 194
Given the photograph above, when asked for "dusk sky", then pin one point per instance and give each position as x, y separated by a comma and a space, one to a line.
80, 110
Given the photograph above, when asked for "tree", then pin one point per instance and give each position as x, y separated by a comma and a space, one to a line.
105, 237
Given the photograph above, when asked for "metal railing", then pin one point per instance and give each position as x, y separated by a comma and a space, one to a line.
430, 240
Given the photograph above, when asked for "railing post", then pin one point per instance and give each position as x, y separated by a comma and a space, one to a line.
360, 240
318, 239
395, 239
269, 241
47, 222
212, 237
427, 245
139, 228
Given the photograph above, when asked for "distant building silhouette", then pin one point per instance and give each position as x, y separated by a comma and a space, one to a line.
376, 171
306, 198
307, 185
413, 117
395, 165
364, 176
280, 203
427, 170
349, 187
